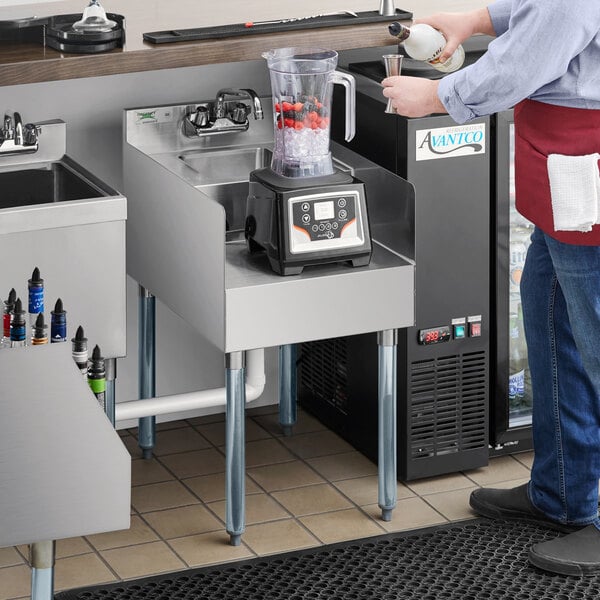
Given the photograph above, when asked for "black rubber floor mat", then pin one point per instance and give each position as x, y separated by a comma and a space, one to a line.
471, 560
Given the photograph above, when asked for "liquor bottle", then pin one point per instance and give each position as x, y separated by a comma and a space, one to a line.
423, 42
80, 351
96, 376
517, 361
39, 335
58, 323
18, 325
9, 306
35, 290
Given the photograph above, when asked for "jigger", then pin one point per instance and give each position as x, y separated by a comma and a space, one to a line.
393, 65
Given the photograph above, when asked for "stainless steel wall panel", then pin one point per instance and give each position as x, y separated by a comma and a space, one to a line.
64, 471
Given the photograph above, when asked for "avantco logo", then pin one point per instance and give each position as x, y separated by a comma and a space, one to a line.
444, 142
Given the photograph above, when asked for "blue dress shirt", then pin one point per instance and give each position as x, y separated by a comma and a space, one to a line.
545, 50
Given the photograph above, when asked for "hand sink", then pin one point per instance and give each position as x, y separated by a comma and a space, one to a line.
229, 165
51, 182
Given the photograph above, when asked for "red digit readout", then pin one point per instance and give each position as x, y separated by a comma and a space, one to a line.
432, 336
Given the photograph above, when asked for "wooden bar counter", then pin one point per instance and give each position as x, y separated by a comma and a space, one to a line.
30, 63
23, 63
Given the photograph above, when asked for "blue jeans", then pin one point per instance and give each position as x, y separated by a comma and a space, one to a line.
560, 295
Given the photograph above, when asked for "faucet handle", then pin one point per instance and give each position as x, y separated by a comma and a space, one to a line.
31, 132
7, 129
240, 113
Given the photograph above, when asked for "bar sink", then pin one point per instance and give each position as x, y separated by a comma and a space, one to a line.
52, 182
54, 215
187, 198
185, 240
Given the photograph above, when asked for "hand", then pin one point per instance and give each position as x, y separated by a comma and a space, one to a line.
413, 96
457, 27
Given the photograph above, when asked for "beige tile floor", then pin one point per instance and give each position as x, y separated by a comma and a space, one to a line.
302, 491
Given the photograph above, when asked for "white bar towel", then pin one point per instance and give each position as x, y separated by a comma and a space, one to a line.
575, 191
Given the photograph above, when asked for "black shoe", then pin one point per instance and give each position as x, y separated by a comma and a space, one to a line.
512, 504
574, 554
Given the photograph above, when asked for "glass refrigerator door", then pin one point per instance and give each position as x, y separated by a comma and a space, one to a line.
519, 380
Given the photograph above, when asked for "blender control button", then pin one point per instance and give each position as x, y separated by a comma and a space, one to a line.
327, 225
315, 228
306, 218
329, 234
335, 225
321, 227
342, 202
343, 214
305, 206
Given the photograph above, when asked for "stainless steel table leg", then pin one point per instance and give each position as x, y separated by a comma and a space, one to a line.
235, 463
287, 387
41, 558
388, 343
147, 367
111, 375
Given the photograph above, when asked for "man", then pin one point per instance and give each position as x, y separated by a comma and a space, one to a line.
544, 62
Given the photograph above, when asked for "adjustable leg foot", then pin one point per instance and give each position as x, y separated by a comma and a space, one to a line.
386, 514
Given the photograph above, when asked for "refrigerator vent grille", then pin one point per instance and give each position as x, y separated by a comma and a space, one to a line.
447, 405
323, 371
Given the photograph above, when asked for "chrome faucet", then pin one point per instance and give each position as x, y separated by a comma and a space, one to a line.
221, 105
227, 113
16, 137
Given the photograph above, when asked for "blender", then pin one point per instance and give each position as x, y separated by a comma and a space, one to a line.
302, 210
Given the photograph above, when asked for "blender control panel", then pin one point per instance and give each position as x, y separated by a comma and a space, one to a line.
325, 221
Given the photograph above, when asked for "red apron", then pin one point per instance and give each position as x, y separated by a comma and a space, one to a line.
543, 129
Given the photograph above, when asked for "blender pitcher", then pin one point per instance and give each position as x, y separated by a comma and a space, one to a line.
302, 84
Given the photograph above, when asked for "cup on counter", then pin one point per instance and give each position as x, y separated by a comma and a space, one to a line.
393, 66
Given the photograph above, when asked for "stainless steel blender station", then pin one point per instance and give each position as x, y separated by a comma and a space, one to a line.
187, 169
55, 480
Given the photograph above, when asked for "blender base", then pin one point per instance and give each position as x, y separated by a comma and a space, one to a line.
301, 222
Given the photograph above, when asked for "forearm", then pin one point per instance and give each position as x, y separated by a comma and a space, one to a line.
482, 22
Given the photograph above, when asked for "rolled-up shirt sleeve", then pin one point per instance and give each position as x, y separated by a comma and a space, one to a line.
536, 48
500, 14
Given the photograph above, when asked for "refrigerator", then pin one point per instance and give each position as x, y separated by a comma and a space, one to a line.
443, 360
468, 398
511, 398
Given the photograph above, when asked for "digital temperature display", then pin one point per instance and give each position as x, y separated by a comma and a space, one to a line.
435, 335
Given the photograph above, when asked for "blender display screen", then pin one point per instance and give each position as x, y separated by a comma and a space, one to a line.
324, 210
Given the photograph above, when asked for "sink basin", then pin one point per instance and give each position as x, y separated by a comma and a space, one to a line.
228, 165
232, 197
54, 182
222, 175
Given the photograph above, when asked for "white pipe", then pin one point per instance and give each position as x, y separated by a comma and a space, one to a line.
163, 405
